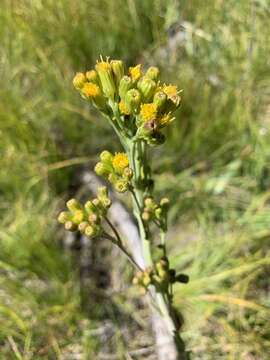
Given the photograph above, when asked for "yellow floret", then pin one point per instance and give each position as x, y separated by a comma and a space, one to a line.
165, 119
135, 72
120, 161
148, 111
170, 90
91, 90
123, 108
103, 66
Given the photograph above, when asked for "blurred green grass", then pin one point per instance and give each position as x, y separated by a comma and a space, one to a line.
214, 166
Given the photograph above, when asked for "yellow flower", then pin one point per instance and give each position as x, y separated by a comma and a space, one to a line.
120, 161
79, 80
170, 90
165, 119
91, 90
123, 108
135, 72
148, 111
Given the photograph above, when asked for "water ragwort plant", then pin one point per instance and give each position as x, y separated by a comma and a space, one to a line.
138, 107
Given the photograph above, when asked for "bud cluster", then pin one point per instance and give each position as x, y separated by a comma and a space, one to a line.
115, 168
160, 275
137, 100
155, 211
86, 218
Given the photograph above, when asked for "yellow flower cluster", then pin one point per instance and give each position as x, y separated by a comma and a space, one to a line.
86, 218
135, 99
115, 168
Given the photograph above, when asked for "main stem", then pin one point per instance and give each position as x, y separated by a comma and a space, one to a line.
137, 159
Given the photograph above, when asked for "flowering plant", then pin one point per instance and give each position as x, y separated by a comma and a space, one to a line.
138, 106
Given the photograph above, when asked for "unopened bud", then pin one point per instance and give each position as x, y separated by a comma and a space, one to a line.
70, 226
63, 217
133, 100
73, 205
158, 213
101, 169
149, 202
124, 86
121, 186
164, 202
118, 70
93, 218
82, 226
92, 76
160, 99
147, 88
152, 72
89, 207
79, 80
146, 216
89, 231
105, 74
128, 173
106, 156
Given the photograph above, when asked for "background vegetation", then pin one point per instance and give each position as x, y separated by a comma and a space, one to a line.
214, 166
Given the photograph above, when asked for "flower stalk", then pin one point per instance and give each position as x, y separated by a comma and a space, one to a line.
138, 107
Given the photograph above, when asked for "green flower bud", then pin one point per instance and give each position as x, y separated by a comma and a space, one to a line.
164, 202
160, 99
121, 186
158, 213
92, 76
128, 173
79, 80
106, 202
82, 226
101, 169
96, 202
63, 217
105, 74
70, 226
147, 88
152, 72
106, 156
133, 100
146, 216
149, 202
118, 70
89, 207
93, 218
124, 86
89, 231
73, 205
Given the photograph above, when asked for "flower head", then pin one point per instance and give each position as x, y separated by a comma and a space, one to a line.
148, 111
91, 90
135, 72
170, 90
120, 161
79, 80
